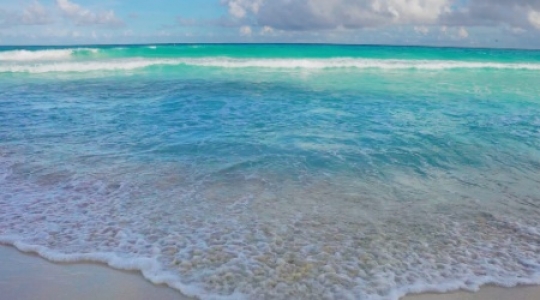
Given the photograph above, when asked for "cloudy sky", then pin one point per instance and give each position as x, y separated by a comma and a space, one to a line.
477, 23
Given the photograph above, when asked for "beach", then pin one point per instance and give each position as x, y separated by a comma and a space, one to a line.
485, 293
26, 276
274, 171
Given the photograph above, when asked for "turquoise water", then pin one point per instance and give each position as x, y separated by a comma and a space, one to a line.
276, 171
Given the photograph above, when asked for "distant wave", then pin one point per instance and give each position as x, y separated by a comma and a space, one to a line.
51, 54
358, 63
225, 62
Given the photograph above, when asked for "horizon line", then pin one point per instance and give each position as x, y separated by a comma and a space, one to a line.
262, 43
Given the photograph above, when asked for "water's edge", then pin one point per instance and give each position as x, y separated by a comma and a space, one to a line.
148, 268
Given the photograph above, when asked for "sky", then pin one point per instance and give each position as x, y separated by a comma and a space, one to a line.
471, 23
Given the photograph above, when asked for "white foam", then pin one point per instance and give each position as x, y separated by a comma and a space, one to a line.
225, 62
149, 267
353, 63
204, 252
42, 55
80, 67
26, 55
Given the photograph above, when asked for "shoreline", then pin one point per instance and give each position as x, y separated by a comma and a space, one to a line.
487, 292
88, 280
67, 281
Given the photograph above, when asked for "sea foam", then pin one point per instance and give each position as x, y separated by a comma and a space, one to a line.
224, 62
42, 55
208, 241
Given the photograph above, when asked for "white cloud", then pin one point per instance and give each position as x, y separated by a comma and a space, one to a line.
463, 33
332, 14
493, 14
36, 14
517, 30
421, 29
534, 18
267, 30
236, 10
412, 11
245, 30
313, 15
83, 16
33, 14
455, 33
240, 8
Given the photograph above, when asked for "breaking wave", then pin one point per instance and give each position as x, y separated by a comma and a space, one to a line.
225, 62
42, 55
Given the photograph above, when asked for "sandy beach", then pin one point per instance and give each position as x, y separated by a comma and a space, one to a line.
29, 277
486, 293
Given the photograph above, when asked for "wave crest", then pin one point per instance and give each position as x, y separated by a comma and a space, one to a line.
224, 62
45, 55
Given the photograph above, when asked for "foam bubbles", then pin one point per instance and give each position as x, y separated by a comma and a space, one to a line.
42, 55
270, 237
353, 63
224, 62
25, 55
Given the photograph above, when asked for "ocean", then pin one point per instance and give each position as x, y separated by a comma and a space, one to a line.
276, 171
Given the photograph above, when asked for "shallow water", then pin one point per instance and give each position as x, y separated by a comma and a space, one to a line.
251, 171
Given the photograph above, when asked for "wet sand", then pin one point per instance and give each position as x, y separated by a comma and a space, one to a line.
30, 277
485, 293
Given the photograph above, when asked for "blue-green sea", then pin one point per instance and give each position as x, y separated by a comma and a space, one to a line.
276, 171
